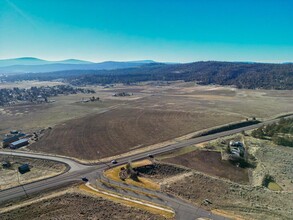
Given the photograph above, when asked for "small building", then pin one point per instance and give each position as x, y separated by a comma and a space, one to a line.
6, 164
14, 132
235, 144
19, 143
11, 138
24, 168
8, 140
41, 98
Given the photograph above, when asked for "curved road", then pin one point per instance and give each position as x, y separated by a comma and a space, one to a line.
183, 209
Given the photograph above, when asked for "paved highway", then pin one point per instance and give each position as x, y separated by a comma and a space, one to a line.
183, 209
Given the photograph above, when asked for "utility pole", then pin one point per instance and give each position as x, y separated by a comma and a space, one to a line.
21, 185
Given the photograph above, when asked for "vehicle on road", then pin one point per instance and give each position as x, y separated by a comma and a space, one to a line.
84, 179
114, 162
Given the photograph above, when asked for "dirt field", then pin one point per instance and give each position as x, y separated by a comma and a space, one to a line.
210, 162
156, 112
247, 201
77, 206
121, 130
39, 169
30, 118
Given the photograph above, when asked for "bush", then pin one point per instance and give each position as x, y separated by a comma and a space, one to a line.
267, 179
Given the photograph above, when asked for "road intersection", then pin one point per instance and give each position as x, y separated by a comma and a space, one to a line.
76, 170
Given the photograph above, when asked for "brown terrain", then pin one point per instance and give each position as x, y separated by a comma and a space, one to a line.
39, 169
78, 206
210, 162
153, 114
233, 193
156, 112
247, 201
121, 130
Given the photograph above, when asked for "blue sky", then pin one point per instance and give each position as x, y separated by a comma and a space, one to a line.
162, 30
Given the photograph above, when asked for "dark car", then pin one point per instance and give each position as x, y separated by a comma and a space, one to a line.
114, 161
84, 179
150, 156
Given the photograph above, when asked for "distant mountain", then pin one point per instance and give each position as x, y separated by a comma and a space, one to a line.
73, 61
37, 61
22, 61
35, 65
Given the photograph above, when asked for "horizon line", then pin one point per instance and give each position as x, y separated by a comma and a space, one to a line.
134, 60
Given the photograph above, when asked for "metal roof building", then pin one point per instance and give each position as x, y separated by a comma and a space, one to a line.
19, 143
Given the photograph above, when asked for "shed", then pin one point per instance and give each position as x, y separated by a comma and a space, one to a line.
19, 143
9, 139
14, 132
24, 168
6, 164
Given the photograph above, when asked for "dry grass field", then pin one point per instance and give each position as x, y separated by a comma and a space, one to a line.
210, 162
32, 117
121, 130
39, 169
232, 192
78, 206
154, 113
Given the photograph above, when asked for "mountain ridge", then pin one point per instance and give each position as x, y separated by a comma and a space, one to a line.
34, 65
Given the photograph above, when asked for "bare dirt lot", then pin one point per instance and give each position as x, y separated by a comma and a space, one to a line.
78, 206
210, 162
39, 169
121, 130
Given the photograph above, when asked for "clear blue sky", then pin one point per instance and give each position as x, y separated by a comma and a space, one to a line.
162, 30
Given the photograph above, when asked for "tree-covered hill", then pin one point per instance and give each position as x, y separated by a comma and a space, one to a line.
240, 75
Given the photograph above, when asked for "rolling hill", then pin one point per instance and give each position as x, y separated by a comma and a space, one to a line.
35, 65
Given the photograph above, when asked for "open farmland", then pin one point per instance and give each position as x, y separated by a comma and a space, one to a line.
121, 130
32, 117
153, 114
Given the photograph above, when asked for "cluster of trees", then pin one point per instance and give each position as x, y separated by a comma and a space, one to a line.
128, 172
36, 94
240, 75
281, 133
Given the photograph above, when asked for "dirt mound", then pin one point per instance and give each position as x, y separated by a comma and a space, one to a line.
160, 170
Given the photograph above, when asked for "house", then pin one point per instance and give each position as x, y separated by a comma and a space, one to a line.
237, 149
14, 132
19, 143
41, 99
24, 168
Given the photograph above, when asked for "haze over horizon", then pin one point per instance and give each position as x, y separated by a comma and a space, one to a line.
246, 31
